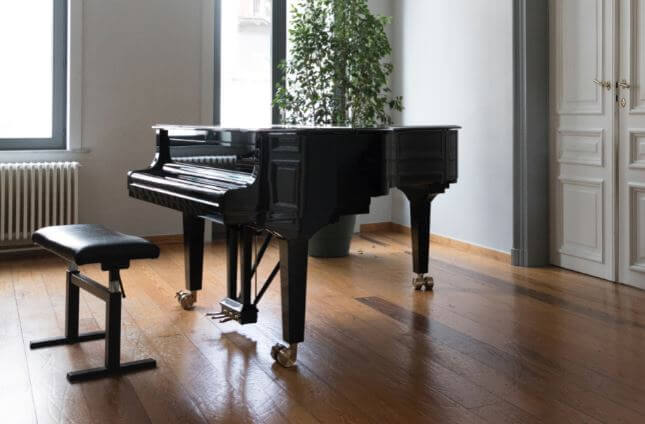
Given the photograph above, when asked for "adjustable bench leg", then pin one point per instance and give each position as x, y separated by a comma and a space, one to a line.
71, 320
113, 364
112, 333
71, 308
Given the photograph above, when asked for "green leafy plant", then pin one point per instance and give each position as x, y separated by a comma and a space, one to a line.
336, 73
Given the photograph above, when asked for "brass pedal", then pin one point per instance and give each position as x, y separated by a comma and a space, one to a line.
225, 315
244, 314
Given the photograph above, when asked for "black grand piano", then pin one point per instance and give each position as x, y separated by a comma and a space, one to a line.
287, 183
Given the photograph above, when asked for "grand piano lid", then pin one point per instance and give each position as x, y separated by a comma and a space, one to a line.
197, 130
179, 134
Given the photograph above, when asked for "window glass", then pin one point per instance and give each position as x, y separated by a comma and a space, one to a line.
246, 63
26, 68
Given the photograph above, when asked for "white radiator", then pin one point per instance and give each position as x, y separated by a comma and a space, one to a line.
35, 195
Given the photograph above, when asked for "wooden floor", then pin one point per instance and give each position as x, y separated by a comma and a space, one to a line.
492, 344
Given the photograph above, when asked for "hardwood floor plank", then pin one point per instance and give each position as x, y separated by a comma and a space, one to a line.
176, 390
328, 407
108, 400
583, 400
619, 297
619, 393
492, 344
383, 388
582, 331
601, 351
420, 351
55, 399
16, 401
450, 380
205, 382
606, 307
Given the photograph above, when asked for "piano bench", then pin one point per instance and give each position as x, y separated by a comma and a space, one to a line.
90, 244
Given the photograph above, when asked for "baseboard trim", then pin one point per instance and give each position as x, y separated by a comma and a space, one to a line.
383, 227
518, 257
376, 227
441, 240
166, 239
24, 253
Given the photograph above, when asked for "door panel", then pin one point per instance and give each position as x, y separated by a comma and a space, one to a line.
637, 226
633, 52
631, 164
636, 148
579, 48
582, 142
582, 218
581, 147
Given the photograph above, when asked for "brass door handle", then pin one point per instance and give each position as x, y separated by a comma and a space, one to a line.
624, 84
604, 84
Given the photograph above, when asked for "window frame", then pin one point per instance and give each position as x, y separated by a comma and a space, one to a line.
58, 140
278, 54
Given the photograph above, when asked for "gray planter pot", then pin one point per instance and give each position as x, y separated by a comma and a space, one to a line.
333, 240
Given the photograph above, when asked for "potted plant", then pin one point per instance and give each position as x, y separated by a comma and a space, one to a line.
336, 74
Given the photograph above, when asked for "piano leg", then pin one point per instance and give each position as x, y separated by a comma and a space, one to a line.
246, 265
293, 281
420, 201
232, 234
249, 312
193, 260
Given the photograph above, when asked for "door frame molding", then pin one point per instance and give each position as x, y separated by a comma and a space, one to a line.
531, 233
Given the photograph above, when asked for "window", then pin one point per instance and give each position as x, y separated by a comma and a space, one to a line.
249, 44
33, 50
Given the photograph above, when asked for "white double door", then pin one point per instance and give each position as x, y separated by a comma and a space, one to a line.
598, 138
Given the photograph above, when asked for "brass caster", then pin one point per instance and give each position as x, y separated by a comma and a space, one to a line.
186, 299
423, 282
285, 355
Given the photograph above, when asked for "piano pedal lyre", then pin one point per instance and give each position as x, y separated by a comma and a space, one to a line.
186, 299
234, 310
224, 316
423, 282
285, 355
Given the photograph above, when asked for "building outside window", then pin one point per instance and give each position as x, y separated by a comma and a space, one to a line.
33, 49
246, 63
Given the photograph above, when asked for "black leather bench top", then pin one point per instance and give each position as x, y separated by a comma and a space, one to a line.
89, 244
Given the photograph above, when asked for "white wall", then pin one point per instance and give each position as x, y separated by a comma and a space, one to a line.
453, 64
380, 207
141, 65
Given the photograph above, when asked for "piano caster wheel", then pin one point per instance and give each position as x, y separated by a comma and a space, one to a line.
285, 355
186, 299
423, 282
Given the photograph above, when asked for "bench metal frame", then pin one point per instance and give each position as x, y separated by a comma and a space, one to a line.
112, 334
